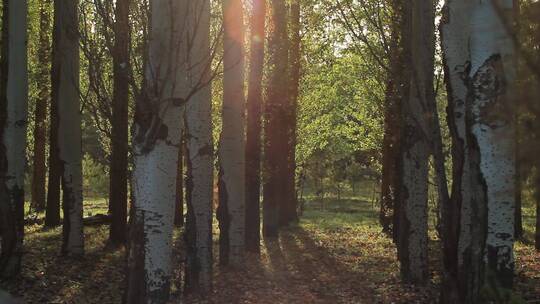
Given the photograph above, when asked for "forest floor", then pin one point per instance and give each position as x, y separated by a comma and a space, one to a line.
336, 254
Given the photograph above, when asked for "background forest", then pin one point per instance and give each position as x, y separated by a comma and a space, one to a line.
280, 151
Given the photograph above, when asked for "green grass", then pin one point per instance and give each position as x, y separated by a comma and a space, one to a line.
91, 206
350, 231
336, 254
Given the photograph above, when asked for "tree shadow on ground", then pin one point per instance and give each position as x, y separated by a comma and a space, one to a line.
48, 277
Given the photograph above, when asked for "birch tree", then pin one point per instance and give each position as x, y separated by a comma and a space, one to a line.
199, 155
13, 122
480, 72
156, 141
413, 238
490, 130
231, 210
179, 207
253, 132
65, 72
455, 34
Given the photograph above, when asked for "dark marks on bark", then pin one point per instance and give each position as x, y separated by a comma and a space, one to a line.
488, 85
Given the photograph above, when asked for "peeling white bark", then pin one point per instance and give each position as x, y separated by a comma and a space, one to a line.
232, 140
14, 137
455, 35
455, 46
69, 124
156, 144
478, 54
492, 75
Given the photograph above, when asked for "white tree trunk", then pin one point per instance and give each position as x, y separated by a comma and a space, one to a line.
66, 53
492, 129
478, 54
455, 34
231, 211
158, 128
199, 156
13, 140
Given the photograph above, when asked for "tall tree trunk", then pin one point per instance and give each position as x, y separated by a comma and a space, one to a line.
40, 129
518, 215
392, 122
199, 156
231, 184
156, 141
52, 211
275, 144
480, 72
537, 198
413, 238
13, 122
119, 145
490, 131
288, 210
253, 132
66, 47
537, 183
179, 207
468, 255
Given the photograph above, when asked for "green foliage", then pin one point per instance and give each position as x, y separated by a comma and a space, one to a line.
95, 178
340, 123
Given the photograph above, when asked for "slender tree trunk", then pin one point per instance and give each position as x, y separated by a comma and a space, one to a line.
392, 121
537, 198
288, 209
537, 181
413, 238
518, 224
40, 129
13, 122
275, 144
253, 132
179, 208
66, 47
199, 156
52, 211
455, 35
231, 184
119, 145
156, 141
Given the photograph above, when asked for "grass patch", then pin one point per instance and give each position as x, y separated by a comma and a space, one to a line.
336, 254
